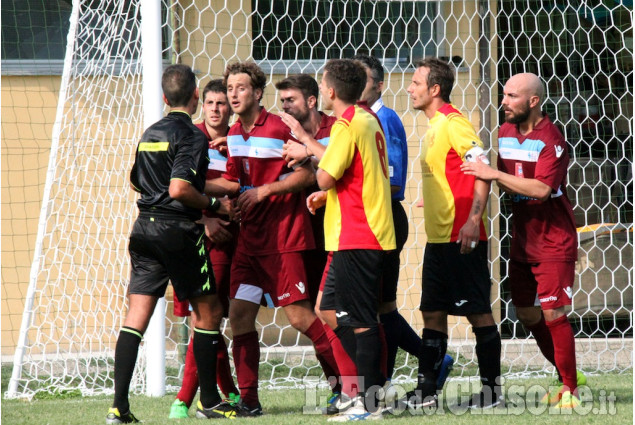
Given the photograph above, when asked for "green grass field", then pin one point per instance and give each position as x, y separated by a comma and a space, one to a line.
609, 402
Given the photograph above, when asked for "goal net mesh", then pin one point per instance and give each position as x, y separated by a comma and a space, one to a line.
78, 239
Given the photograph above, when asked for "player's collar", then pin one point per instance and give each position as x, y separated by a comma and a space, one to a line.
179, 111
377, 105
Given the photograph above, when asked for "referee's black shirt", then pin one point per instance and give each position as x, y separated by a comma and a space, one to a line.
171, 148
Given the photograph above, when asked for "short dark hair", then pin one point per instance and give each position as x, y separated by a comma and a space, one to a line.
178, 84
303, 82
257, 77
375, 66
347, 77
214, 86
440, 73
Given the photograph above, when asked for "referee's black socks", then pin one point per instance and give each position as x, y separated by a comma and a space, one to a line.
488, 353
434, 344
125, 358
205, 347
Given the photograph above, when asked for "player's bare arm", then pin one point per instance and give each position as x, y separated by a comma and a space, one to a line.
470, 232
185, 193
511, 184
301, 178
324, 180
221, 187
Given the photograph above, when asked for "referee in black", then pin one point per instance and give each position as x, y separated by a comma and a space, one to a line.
167, 243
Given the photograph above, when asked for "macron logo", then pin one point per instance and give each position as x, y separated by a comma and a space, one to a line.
300, 287
548, 299
569, 292
460, 303
559, 151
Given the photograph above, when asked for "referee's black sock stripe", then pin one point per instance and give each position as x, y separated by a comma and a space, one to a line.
132, 331
206, 331
205, 347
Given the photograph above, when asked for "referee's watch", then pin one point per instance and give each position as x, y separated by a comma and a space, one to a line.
214, 204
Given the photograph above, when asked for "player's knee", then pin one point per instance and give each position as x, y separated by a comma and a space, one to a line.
241, 318
553, 314
301, 320
481, 320
528, 316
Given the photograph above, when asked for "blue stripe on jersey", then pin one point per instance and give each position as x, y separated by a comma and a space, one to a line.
216, 161
324, 141
256, 147
216, 155
511, 148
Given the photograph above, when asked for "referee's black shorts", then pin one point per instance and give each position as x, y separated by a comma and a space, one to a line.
163, 250
456, 283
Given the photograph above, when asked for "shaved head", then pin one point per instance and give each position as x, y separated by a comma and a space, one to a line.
528, 84
522, 98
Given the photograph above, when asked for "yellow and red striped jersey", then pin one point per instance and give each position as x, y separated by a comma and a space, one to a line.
358, 209
448, 192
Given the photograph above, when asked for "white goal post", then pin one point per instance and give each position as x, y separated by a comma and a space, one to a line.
74, 299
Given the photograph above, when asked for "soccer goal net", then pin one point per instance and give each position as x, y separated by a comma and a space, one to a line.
65, 267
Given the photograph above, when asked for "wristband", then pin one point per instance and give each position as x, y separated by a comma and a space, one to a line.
214, 204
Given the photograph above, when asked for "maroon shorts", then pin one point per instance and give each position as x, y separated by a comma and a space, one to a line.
181, 308
274, 280
548, 285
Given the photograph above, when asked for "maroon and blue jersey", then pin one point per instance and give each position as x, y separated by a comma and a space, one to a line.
279, 223
541, 231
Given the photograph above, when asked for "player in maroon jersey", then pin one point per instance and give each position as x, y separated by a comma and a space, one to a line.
532, 169
275, 230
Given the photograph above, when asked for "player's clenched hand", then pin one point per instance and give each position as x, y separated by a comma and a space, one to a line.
215, 229
294, 153
316, 200
249, 198
226, 207
469, 236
